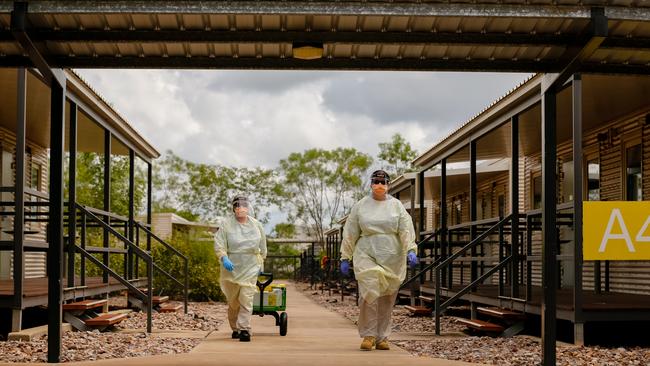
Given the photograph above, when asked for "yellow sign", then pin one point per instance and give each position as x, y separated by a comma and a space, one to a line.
616, 230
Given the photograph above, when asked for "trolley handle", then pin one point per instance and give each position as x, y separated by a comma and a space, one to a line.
262, 286
269, 279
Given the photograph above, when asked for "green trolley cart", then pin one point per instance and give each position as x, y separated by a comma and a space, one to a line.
272, 302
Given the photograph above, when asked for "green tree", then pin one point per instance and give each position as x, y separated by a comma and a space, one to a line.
284, 230
204, 190
396, 156
321, 184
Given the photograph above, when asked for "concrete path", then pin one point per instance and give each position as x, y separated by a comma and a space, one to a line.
316, 337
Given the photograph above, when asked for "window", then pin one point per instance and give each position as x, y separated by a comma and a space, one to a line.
593, 180
633, 186
567, 181
457, 211
35, 179
537, 192
502, 205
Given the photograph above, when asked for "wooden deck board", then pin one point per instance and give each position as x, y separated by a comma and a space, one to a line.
33, 287
591, 300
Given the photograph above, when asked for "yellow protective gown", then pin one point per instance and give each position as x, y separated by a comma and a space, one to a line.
377, 237
245, 246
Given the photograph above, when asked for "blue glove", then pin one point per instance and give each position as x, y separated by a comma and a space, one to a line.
345, 267
227, 264
412, 259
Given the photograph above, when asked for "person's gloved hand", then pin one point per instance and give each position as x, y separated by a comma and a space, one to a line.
345, 267
227, 264
412, 259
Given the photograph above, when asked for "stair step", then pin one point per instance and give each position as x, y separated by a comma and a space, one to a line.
418, 310
426, 299
84, 305
501, 313
170, 308
106, 319
481, 325
159, 299
144, 290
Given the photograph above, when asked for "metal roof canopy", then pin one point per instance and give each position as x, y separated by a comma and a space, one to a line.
355, 35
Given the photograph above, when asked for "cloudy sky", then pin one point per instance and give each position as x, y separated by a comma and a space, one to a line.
256, 118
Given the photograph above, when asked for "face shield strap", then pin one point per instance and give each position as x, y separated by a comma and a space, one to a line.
240, 202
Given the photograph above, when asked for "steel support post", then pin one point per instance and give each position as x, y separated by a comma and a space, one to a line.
577, 206
472, 208
514, 204
19, 194
72, 194
107, 196
549, 227
55, 237
131, 230
443, 216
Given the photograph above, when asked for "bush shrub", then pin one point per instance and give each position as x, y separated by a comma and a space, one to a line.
203, 270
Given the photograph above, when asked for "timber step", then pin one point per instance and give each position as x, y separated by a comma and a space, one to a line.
418, 310
170, 308
501, 313
481, 325
84, 305
157, 300
105, 320
426, 299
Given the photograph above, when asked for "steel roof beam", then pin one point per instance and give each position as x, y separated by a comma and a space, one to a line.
202, 36
360, 8
596, 35
18, 26
246, 63
248, 36
252, 63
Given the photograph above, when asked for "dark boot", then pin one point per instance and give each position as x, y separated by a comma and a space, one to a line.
244, 336
235, 334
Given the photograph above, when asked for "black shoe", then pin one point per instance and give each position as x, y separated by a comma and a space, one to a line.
235, 334
244, 336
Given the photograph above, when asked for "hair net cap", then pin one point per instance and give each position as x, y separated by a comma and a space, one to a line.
380, 174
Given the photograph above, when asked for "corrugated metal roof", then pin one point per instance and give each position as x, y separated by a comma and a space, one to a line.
455, 134
516, 35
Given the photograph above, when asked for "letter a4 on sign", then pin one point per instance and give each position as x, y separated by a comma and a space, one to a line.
616, 230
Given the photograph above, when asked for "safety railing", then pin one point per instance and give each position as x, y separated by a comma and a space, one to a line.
185, 284
86, 252
448, 261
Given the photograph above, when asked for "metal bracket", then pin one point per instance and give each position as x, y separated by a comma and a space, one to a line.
19, 31
594, 36
76, 322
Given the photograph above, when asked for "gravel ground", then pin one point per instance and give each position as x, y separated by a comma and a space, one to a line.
90, 346
200, 316
518, 350
402, 319
522, 350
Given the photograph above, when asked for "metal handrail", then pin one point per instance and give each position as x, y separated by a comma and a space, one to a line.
139, 252
158, 239
473, 243
438, 268
97, 211
185, 285
439, 308
429, 266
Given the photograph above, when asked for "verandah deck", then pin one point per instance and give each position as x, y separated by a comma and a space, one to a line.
606, 306
35, 289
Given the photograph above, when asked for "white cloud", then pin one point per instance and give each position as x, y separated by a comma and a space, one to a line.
257, 118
